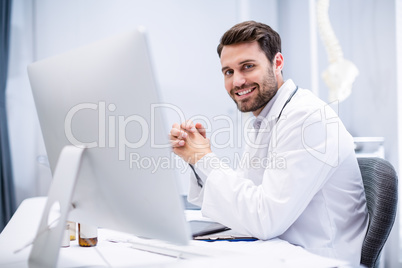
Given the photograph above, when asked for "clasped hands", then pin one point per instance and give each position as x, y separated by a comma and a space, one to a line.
189, 141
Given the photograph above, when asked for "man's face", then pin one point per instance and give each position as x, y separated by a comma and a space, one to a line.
249, 77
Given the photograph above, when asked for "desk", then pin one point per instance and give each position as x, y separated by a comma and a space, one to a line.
116, 249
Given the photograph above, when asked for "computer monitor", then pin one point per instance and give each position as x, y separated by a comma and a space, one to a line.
104, 97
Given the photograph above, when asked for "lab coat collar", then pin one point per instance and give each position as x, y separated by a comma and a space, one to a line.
283, 95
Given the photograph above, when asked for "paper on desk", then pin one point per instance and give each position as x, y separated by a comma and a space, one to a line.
277, 252
196, 215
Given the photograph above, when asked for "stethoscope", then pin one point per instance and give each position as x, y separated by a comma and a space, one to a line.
287, 101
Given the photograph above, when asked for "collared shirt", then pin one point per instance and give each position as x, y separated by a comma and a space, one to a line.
298, 180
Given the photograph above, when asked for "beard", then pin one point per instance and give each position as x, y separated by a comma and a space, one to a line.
265, 93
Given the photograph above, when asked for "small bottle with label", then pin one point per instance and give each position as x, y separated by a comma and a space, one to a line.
87, 235
73, 230
65, 242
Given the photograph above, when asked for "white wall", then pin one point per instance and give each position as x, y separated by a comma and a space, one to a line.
294, 28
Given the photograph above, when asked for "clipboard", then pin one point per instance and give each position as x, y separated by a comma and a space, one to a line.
213, 231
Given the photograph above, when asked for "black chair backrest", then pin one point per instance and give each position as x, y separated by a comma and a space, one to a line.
381, 187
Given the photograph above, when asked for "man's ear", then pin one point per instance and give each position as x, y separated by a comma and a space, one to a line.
278, 63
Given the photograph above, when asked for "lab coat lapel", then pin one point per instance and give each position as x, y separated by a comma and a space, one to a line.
262, 143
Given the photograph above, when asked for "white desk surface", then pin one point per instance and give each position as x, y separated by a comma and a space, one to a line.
116, 249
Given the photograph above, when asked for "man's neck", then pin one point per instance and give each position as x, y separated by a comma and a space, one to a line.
258, 111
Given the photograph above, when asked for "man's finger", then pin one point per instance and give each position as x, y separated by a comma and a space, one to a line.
177, 143
178, 134
189, 126
201, 129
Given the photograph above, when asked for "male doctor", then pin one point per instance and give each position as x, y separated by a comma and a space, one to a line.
316, 198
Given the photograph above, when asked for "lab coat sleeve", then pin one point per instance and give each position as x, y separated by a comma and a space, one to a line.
309, 149
195, 193
203, 168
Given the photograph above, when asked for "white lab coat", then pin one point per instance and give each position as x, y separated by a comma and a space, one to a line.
302, 184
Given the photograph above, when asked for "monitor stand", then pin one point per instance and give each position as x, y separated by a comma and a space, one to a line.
47, 242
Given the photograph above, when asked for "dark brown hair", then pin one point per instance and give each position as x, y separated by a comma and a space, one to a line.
250, 31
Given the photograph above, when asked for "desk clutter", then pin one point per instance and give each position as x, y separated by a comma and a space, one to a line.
119, 249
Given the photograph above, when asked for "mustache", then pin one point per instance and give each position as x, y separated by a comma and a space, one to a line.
233, 90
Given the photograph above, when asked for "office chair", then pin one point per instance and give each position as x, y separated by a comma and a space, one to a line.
381, 187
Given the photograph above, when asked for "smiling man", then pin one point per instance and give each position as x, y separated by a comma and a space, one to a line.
316, 200
249, 77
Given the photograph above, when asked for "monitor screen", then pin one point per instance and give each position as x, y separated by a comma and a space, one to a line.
104, 97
